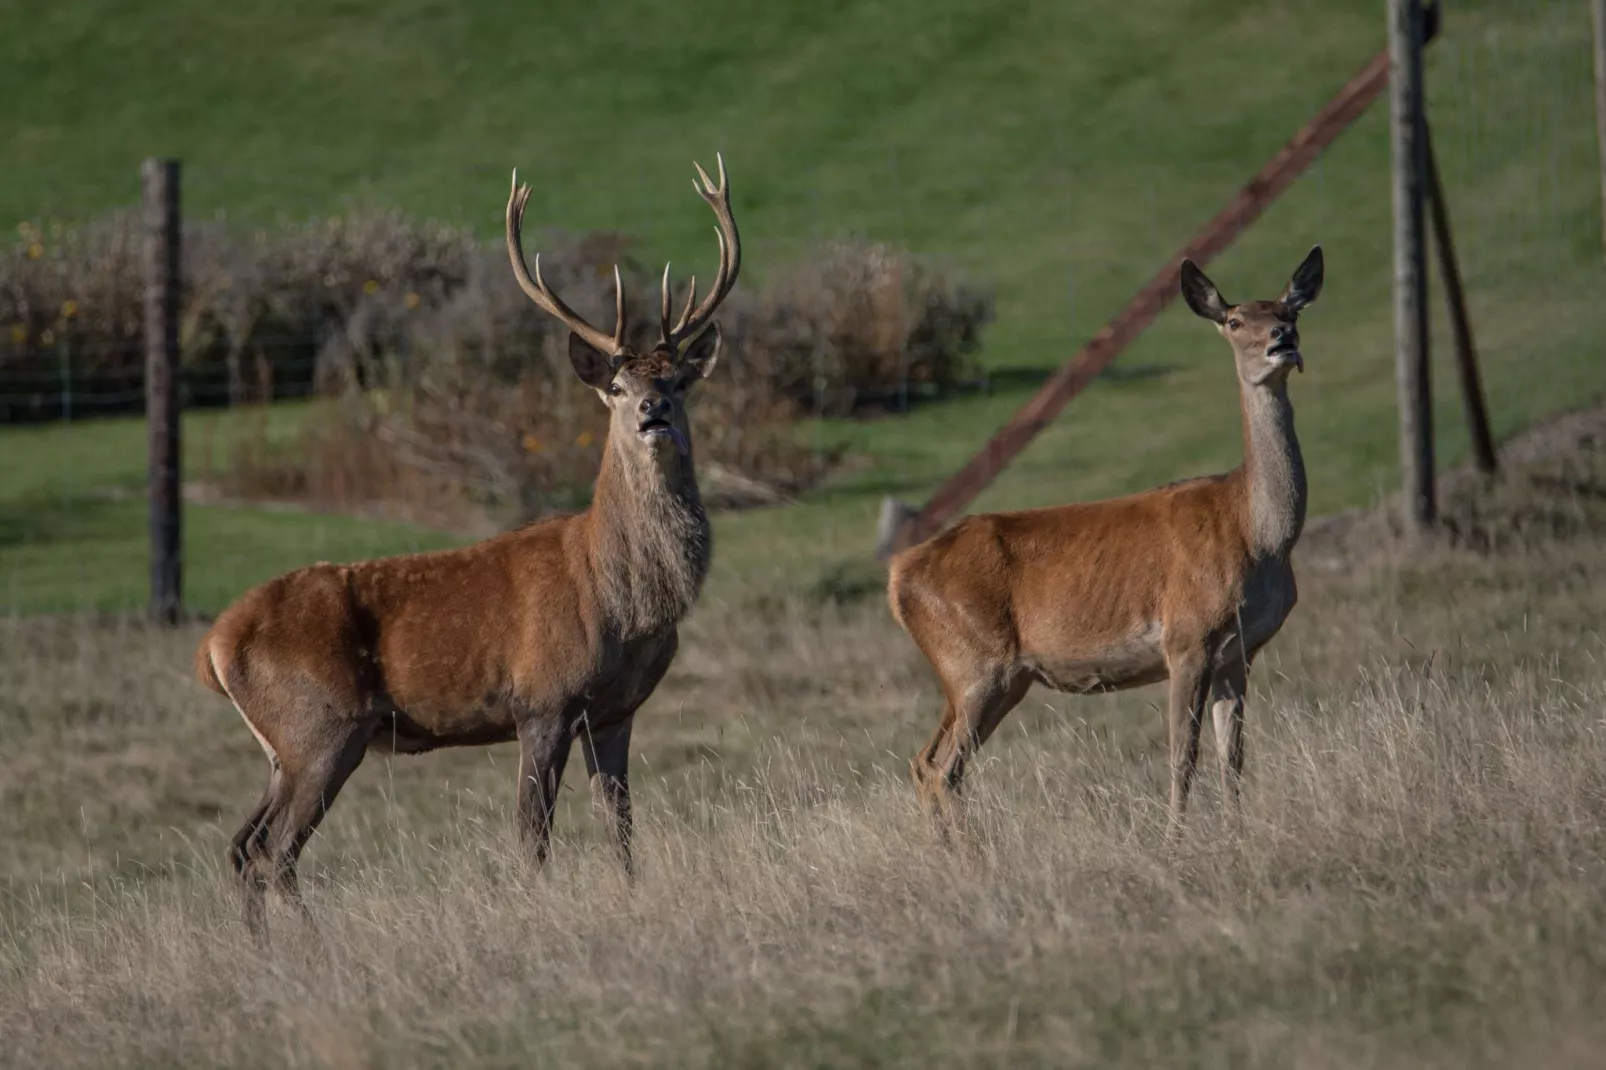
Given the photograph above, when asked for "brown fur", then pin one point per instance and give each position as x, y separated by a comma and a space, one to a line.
1186, 582
548, 635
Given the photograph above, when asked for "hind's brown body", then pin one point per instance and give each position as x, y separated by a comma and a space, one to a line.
1183, 583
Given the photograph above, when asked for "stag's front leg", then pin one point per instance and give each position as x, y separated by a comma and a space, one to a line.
543, 751
607, 755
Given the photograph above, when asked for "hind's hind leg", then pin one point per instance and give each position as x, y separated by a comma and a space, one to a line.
976, 706
923, 769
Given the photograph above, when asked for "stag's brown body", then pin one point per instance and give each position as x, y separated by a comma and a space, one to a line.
1186, 582
552, 635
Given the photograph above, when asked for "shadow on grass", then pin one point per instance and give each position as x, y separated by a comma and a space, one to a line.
66, 520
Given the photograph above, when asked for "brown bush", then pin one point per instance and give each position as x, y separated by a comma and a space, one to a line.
444, 386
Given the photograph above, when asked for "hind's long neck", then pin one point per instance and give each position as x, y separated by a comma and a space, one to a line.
650, 539
1274, 470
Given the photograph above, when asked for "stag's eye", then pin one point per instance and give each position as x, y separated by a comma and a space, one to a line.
1235, 323
615, 390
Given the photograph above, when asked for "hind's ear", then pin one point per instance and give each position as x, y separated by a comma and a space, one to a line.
702, 352
1306, 285
1201, 294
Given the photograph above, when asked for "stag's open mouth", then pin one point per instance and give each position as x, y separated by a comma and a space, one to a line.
664, 429
1286, 354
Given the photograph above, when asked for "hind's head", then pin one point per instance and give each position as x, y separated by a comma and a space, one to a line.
1264, 334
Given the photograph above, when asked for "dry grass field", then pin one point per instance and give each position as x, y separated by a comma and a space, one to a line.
1418, 881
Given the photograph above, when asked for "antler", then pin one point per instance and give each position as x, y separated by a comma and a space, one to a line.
536, 289
692, 321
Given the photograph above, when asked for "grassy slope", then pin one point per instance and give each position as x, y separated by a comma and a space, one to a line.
1057, 151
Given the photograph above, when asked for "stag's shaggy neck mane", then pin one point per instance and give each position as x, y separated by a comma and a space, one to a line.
1273, 470
651, 541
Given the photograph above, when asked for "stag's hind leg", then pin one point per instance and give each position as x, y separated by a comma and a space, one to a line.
303, 800
246, 847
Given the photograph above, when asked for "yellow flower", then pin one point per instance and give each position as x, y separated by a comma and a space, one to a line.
583, 439
411, 300
19, 333
370, 287
35, 251
69, 309
532, 444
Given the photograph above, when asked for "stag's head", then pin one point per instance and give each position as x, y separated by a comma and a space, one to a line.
645, 391
1264, 334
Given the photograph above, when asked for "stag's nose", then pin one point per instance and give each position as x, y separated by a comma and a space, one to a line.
650, 406
1278, 333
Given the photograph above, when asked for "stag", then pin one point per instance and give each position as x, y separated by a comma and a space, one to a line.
550, 635
1182, 583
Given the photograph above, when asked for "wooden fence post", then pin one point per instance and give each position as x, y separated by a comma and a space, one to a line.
163, 280
1407, 126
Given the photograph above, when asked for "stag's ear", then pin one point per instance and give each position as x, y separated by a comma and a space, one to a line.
594, 368
1306, 284
702, 352
1201, 294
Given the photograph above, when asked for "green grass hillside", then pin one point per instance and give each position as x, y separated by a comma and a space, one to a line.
1057, 152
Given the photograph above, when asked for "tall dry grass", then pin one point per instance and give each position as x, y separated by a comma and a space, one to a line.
1416, 880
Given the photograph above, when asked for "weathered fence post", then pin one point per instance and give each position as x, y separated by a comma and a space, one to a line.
163, 279
1407, 129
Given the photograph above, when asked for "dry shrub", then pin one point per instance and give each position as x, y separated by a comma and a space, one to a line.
261, 311
448, 391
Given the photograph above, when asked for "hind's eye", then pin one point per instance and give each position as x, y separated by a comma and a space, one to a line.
1235, 323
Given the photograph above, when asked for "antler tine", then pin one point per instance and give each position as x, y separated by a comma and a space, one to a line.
618, 311
664, 307
537, 290
668, 335
691, 299
693, 320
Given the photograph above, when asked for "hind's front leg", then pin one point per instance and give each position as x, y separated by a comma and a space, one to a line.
1190, 683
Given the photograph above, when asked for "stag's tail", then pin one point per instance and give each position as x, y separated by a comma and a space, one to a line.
205, 671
